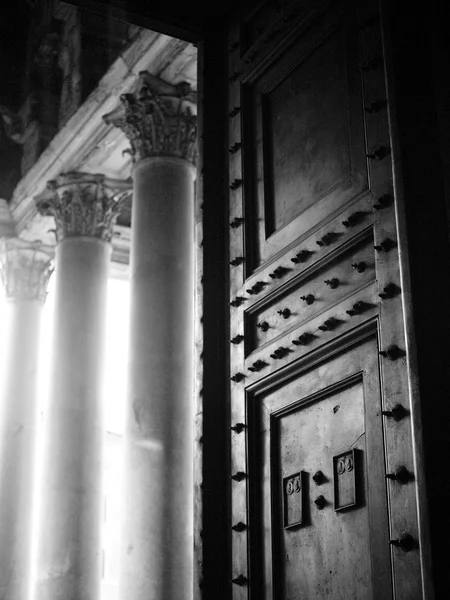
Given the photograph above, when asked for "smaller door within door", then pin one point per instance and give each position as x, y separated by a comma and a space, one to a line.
319, 487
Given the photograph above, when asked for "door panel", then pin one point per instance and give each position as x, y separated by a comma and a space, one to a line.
306, 436
316, 313
305, 135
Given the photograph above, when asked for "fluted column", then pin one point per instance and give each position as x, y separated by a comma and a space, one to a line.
157, 541
69, 548
25, 271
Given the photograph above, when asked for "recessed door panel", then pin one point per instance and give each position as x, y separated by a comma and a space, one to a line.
318, 488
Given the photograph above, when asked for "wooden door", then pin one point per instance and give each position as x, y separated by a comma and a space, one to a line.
318, 364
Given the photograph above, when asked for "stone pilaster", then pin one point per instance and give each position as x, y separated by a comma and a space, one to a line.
157, 541
25, 271
84, 207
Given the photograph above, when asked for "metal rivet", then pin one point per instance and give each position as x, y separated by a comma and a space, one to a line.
358, 308
279, 272
376, 106
304, 339
320, 502
238, 427
240, 580
257, 287
264, 326
237, 339
393, 352
329, 324
328, 238
360, 267
333, 283
237, 261
301, 256
236, 222
398, 412
379, 153
354, 219
402, 475
285, 313
239, 527
234, 77
309, 299
383, 202
237, 146
235, 184
257, 366
280, 352
406, 542
239, 476
237, 377
385, 245
234, 112
319, 478
237, 301
389, 291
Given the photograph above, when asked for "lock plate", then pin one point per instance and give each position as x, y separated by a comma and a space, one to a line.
345, 469
293, 500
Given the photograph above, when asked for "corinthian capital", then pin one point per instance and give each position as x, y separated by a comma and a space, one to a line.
25, 270
83, 204
158, 119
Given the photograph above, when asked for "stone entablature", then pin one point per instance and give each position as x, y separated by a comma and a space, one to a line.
25, 270
158, 119
83, 204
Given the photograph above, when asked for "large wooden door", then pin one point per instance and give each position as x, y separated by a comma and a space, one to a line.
323, 496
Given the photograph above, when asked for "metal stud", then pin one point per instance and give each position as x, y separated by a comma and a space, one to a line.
309, 299
240, 580
376, 106
235, 184
389, 291
234, 46
354, 219
383, 201
257, 366
236, 222
359, 267
379, 153
385, 245
304, 339
319, 478
237, 261
329, 324
358, 308
406, 542
301, 256
332, 283
239, 476
234, 112
320, 502
402, 475
279, 272
328, 238
257, 287
237, 339
398, 412
237, 377
280, 352
285, 313
239, 527
393, 352
237, 301
235, 147
264, 326
238, 427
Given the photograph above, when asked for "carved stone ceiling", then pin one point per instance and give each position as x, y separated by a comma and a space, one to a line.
87, 144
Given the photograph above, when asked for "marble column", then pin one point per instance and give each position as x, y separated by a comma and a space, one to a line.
25, 271
84, 207
157, 541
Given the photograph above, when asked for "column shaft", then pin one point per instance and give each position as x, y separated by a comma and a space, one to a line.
18, 422
158, 517
69, 558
